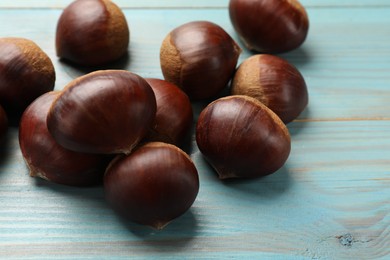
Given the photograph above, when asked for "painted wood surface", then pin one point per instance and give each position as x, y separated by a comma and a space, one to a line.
330, 200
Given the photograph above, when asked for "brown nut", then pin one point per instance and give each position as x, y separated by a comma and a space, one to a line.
155, 184
174, 116
274, 82
26, 72
270, 26
48, 160
242, 138
199, 57
92, 33
106, 111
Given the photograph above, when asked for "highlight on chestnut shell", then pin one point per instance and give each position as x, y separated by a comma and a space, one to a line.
26, 72
155, 184
200, 57
242, 138
48, 160
92, 33
270, 26
274, 82
3, 124
174, 116
107, 111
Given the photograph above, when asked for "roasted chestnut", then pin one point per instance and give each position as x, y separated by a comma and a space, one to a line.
242, 138
92, 33
47, 159
107, 111
3, 124
153, 185
270, 26
199, 57
273, 81
26, 72
174, 114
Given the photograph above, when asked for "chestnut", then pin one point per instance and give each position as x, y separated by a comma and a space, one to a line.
174, 116
153, 185
242, 138
273, 81
199, 57
48, 160
269, 26
3, 124
106, 111
92, 33
26, 72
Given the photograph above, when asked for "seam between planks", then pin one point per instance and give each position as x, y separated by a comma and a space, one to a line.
341, 119
190, 7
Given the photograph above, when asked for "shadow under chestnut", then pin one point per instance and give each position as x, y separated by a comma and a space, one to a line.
269, 186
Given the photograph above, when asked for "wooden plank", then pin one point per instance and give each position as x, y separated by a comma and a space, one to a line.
169, 4
329, 201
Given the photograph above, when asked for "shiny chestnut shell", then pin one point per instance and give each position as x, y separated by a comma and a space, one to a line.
155, 184
174, 116
47, 159
26, 72
274, 82
106, 111
3, 124
92, 32
270, 26
199, 57
242, 138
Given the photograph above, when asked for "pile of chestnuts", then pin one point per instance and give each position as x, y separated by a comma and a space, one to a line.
82, 143
116, 128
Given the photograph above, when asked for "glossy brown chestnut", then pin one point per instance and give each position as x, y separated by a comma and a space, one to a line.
106, 111
199, 57
274, 82
174, 116
92, 32
270, 26
242, 138
155, 184
48, 160
3, 124
26, 72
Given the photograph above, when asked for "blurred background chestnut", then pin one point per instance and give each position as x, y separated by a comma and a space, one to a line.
200, 58
26, 72
270, 26
242, 138
174, 116
274, 82
155, 184
48, 160
106, 111
92, 33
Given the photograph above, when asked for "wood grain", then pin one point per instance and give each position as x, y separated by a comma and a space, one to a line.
330, 200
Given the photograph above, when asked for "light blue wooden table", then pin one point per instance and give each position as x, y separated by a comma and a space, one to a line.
330, 201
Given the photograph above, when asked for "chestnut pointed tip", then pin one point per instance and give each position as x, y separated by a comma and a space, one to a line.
34, 173
160, 225
223, 172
